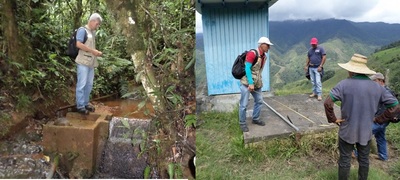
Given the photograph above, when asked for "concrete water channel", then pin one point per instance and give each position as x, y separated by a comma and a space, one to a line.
104, 144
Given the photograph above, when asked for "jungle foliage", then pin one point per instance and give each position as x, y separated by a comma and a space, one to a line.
152, 48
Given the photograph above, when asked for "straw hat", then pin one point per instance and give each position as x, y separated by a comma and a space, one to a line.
357, 64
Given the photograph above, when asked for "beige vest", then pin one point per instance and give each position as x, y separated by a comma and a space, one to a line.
256, 72
87, 58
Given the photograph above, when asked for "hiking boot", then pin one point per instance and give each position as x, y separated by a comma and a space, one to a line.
83, 111
244, 128
260, 123
90, 108
312, 95
319, 98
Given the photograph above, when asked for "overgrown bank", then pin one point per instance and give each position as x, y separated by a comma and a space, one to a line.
221, 154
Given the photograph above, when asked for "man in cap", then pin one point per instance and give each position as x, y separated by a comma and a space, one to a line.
86, 61
316, 57
251, 83
379, 129
359, 98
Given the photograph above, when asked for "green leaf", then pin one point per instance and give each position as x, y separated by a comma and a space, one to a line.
125, 123
171, 168
146, 173
52, 56
141, 104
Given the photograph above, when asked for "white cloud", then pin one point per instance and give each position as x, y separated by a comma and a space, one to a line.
353, 10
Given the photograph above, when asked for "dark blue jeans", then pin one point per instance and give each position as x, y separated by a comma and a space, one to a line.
379, 131
345, 150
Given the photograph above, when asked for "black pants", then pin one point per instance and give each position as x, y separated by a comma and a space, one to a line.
345, 150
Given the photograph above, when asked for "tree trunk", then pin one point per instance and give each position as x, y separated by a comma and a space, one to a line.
135, 25
10, 29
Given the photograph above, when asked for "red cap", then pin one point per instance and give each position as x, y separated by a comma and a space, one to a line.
314, 40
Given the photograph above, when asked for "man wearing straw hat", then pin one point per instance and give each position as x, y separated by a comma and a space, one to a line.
359, 98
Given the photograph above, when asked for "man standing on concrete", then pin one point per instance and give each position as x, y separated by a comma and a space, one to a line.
252, 83
316, 57
379, 129
86, 62
359, 98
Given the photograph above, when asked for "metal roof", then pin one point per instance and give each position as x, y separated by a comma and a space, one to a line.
252, 4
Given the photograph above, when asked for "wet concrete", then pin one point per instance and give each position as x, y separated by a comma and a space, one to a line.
307, 114
80, 141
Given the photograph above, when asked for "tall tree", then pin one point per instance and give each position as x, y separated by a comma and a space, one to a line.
161, 43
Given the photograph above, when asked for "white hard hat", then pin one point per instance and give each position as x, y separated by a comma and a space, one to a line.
265, 40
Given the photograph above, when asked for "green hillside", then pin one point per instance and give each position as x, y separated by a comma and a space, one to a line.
387, 62
384, 61
287, 69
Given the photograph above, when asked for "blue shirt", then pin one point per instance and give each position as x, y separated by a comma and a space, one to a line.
80, 34
315, 56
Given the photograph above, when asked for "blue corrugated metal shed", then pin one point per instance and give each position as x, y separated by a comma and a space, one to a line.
229, 28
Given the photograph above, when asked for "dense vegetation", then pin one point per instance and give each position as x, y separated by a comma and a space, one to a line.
156, 51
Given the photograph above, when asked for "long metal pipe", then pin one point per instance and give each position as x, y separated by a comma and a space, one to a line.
280, 115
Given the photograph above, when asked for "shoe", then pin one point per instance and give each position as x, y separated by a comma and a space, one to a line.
319, 98
83, 111
244, 128
312, 95
261, 123
90, 108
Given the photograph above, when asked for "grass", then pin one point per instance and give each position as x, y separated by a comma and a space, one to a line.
221, 154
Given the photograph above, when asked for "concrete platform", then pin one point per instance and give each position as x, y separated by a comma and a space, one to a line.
80, 139
307, 114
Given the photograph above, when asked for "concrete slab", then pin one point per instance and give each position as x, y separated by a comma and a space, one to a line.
80, 141
307, 114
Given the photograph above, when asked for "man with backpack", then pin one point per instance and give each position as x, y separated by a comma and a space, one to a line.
316, 57
251, 83
86, 62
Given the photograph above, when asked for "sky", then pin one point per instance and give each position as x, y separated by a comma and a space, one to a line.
354, 10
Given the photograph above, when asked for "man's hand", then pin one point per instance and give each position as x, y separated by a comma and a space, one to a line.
339, 121
251, 87
97, 53
319, 68
305, 68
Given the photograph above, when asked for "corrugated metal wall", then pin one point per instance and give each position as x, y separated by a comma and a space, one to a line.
227, 33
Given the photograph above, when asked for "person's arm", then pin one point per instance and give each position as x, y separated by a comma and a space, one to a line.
80, 35
389, 114
323, 61
250, 58
329, 112
248, 72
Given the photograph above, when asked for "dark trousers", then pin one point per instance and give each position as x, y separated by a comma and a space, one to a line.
345, 150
